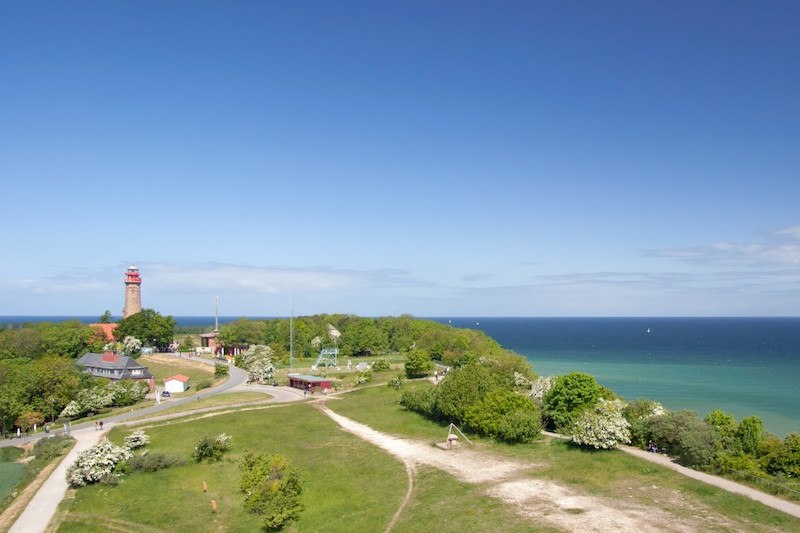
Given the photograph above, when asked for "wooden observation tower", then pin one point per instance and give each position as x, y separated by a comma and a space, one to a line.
133, 292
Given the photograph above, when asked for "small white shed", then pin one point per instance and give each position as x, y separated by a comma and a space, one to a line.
176, 383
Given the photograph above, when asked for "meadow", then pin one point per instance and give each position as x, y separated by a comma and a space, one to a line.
351, 485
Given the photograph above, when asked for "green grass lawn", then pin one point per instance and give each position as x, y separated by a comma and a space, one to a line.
354, 486
347, 481
164, 368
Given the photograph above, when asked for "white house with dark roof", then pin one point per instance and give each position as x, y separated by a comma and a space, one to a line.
115, 367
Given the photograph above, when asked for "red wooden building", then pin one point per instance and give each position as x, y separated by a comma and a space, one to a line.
305, 382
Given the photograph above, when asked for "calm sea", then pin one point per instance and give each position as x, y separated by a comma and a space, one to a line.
746, 366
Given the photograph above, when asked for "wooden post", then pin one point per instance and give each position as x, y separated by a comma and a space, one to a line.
213, 506
205, 487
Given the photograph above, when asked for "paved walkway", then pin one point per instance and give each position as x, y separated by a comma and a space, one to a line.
42, 507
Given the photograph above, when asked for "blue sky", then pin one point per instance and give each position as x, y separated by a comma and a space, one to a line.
378, 158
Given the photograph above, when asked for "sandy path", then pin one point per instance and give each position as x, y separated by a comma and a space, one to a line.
543, 501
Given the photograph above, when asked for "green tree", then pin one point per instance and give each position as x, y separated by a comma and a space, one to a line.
20, 342
272, 488
486, 415
106, 317
750, 434
149, 326
242, 332
725, 424
364, 337
66, 339
460, 390
418, 364
570, 395
786, 459
684, 436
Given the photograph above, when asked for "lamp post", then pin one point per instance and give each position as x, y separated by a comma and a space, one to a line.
52, 409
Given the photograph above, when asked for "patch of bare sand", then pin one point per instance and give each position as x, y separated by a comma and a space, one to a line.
539, 500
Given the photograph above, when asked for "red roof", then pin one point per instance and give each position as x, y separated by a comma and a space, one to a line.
179, 377
108, 329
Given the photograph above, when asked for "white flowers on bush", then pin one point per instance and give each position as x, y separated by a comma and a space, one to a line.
258, 361
602, 426
521, 380
541, 386
137, 439
656, 410
131, 345
109, 394
94, 464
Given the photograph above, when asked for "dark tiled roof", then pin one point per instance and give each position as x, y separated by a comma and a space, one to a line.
102, 366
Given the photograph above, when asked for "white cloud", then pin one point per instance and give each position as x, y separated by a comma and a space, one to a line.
781, 248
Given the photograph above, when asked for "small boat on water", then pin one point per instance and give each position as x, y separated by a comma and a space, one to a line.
648, 330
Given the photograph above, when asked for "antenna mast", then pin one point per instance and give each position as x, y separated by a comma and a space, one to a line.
291, 330
216, 313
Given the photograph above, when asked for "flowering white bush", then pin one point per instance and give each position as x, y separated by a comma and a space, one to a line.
258, 361
72, 409
96, 463
521, 380
602, 426
137, 439
131, 345
541, 386
119, 393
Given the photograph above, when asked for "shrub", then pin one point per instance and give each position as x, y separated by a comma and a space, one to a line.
94, 464
272, 488
570, 395
750, 434
684, 436
397, 381
636, 412
202, 384
485, 415
603, 426
46, 449
786, 459
418, 364
211, 448
153, 462
136, 439
381, 364
460, 390
220, 370
420, 400
520, 426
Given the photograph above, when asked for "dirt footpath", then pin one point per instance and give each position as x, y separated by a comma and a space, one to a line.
544, 502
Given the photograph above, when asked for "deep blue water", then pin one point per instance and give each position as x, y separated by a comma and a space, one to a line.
746, 366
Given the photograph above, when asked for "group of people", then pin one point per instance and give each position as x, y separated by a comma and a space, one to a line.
98, 425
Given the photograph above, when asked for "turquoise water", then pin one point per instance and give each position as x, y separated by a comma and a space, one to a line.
746, 366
